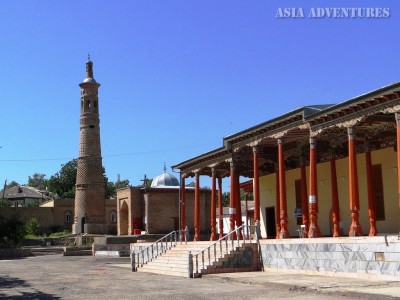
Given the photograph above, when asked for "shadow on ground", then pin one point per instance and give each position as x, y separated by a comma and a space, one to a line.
9, 290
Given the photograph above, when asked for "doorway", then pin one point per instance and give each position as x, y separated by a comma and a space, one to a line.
83, 221
270, 223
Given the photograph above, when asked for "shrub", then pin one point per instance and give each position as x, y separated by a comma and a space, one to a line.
32, 226
11, 230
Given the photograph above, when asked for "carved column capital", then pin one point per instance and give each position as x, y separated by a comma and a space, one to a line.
351, 132
397, 116
312, 142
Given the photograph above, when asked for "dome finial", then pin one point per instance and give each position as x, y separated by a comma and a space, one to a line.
88, 56
89, 68
165, 168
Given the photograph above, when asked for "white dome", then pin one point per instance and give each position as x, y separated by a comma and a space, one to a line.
164, 180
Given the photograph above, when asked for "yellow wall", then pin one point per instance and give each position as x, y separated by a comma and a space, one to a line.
385, 157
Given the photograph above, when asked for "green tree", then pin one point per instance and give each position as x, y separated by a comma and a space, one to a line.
32, 226
111, 187
242, 195
225, 199
37, 181
146, 181
12, 184
63, 182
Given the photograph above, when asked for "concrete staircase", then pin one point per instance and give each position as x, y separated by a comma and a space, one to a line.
175, 261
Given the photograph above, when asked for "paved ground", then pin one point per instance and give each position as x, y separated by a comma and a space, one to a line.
59, 277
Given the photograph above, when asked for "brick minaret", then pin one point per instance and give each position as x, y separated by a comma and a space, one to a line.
89, 198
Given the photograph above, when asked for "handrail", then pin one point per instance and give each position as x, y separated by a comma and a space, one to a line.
235, 237
155, 249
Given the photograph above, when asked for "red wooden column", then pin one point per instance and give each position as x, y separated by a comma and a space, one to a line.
313, 230
232, 209
355, 227
284, 233
304, 202
335, 197
238, 205
213, 205
183, 208
278, 205
398, 154
220, 209
371, 198
256, 185
197, 208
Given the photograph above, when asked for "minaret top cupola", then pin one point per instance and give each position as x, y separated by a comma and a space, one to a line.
89, 72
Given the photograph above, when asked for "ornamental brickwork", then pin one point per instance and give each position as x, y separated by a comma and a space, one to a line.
90, 190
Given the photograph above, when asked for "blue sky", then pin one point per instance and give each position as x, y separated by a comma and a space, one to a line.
176, 76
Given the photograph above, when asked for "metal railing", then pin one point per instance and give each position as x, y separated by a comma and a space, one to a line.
167, 242
200, 260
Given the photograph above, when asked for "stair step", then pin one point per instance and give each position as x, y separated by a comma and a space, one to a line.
175, 261
165, 272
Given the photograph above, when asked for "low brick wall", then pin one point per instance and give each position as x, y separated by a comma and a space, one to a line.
354, 255
77, 251
121, 249
14, 253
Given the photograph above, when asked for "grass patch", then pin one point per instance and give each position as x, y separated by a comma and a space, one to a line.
60, 234
53, 235
33, 237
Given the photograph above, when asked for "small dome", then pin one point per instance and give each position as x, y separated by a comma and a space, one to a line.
89, 80
164, 180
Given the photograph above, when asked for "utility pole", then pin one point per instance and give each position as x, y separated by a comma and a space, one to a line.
4, 191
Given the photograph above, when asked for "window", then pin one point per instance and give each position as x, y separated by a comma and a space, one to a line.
378, 192
68, 216
113, 216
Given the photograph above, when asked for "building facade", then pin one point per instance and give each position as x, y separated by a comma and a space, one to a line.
332, 168
155, 210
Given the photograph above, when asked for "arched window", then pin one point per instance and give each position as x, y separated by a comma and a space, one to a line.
113, 215
88, 104
68, 216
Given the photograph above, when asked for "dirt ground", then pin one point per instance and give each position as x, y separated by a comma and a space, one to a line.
59, 277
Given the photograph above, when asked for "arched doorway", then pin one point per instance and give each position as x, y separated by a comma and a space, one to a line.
123, 219
83, 221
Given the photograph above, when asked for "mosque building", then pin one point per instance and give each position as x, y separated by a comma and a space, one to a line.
156, 209
329, 170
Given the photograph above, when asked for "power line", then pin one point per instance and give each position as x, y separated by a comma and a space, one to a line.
104, 156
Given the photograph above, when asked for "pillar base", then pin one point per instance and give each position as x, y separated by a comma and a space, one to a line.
336, 231
278, 232
355, 227
284, 234
372, 229
355, 230
314, 232
372, 233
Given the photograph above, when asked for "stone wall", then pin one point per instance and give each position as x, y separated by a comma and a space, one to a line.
14, 253
359, 255
52, 216
44, 215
